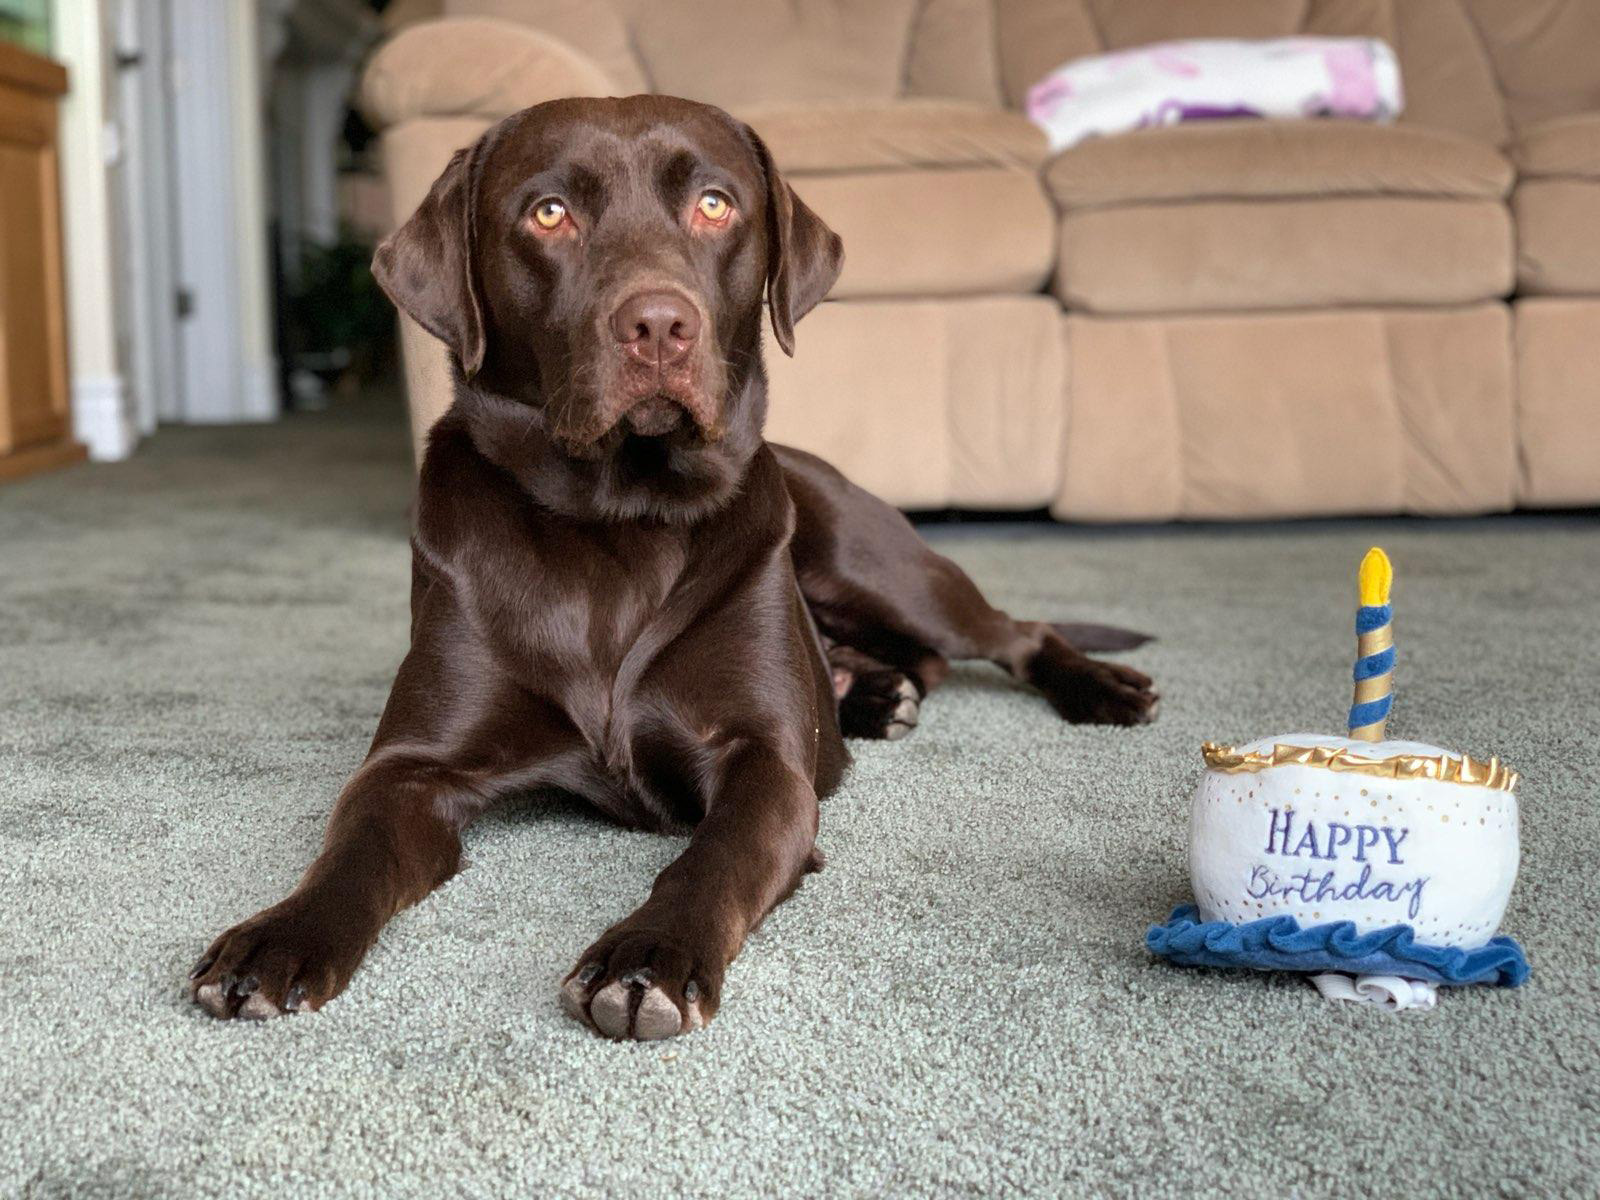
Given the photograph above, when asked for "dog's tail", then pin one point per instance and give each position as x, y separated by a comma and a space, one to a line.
1099, 638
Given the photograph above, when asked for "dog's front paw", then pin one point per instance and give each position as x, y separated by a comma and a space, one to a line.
642, 985
289, 958
1090, 691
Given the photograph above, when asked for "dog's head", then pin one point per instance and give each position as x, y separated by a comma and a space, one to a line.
604, 262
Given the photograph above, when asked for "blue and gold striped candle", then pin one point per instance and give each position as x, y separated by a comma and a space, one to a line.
1374, 674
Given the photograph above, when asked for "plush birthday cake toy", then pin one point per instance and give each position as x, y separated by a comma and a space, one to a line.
1381, 868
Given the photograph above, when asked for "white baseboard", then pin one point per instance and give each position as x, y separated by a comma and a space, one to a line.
103, 418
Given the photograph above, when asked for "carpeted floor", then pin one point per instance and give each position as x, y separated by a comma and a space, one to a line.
194, 647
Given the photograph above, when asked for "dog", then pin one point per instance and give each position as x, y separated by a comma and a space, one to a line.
619, 591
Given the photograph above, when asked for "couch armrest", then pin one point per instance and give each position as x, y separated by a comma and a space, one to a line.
473, 66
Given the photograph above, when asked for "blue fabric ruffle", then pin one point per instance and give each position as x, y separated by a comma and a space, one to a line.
1279, 944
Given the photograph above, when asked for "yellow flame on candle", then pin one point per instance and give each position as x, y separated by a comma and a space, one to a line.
1376, 578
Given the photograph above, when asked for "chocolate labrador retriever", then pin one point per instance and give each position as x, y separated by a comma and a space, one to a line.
619, 590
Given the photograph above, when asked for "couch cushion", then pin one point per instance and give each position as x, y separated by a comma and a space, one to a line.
929, 403
1033, 37
1557, 207
1558, 236
1288, 414
898, 135
1284, 253
1558, 421
1252, 159
1280, 214
772, 51
1545, 54
936, 231
1122, 24
952, 52
1449, 80
1566, 147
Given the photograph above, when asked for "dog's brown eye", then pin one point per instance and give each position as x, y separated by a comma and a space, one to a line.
715, 207
548, 213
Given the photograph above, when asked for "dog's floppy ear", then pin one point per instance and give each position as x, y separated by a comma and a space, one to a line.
426, 266
803, 255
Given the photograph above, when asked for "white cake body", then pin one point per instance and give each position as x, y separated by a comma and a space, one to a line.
1324, 845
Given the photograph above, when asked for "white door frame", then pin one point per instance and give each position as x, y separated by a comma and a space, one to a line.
103, 415
151, 298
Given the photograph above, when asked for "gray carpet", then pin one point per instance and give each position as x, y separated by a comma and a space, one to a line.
194, 647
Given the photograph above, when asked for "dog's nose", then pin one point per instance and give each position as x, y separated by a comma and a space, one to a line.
656, 327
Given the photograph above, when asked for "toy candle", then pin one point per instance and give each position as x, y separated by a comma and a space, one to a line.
1374, 673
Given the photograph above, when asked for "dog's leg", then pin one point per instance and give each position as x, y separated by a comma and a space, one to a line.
874, 585
659, 971
394, 836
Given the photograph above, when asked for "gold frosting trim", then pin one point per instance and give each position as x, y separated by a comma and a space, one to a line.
1446, 768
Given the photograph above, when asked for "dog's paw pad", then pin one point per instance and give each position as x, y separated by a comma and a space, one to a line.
642, 1004
258, 1008
210, 997
637, 1009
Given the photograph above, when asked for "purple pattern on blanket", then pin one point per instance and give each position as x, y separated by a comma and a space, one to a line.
1170, 112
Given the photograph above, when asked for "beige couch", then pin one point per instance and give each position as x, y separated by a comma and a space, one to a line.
1231, 319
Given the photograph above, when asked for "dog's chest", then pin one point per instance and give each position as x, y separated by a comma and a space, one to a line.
597, 631
658, 683
638, 750
575, 612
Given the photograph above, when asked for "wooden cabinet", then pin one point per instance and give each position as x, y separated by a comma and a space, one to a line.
35, 416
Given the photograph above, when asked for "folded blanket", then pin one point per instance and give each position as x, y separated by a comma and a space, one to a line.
1207, 79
